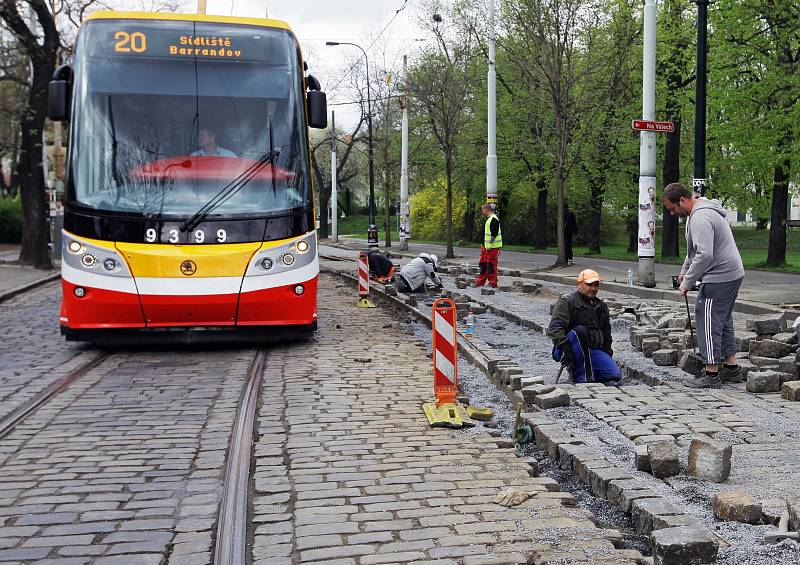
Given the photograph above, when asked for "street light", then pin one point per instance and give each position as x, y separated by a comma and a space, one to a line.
372, 232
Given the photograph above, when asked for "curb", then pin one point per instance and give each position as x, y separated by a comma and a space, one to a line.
29, 286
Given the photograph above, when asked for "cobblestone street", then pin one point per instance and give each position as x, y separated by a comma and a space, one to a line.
126, 465
32, 353
359, 477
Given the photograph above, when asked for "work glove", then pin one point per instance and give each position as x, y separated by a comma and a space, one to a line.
567, 356
513, 496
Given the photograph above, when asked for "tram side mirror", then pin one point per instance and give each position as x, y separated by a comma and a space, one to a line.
316, 104
58, 94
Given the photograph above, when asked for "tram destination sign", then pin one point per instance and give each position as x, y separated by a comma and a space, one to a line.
649, 125
145, 39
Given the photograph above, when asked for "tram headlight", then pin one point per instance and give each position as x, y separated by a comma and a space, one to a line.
266, 263
299, 290
74, 247
89, 260
302, 246
79, 291
287, 259
109, 264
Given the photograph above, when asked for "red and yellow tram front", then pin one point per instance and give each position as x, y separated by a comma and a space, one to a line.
188, 197
109, 286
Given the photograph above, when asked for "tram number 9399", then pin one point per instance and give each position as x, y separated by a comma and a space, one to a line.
173, 236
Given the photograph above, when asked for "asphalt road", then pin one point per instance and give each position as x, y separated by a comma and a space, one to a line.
759, 286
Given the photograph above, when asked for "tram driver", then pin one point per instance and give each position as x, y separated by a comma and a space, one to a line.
207, 140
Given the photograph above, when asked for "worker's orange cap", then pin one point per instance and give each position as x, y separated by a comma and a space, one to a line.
589, 276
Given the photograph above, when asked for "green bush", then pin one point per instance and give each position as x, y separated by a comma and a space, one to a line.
10, 220
428, 212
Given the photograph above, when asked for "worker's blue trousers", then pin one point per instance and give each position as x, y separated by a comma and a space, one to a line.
591, 365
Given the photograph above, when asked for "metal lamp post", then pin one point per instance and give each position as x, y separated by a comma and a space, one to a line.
699, 181
372, 231
491, 90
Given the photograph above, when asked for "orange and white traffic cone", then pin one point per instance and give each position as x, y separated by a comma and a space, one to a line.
445, 411
363, 282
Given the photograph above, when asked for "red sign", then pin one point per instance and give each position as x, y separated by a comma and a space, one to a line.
648, 125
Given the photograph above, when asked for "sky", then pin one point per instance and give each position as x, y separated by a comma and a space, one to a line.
317, 21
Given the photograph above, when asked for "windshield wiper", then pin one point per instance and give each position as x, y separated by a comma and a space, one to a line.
272, 152
229, 190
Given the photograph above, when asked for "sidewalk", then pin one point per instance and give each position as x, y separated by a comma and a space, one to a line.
760, 287
19, 278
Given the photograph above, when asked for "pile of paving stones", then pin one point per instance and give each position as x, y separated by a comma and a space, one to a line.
768, 353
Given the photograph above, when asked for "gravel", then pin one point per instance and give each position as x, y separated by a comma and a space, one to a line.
531, 351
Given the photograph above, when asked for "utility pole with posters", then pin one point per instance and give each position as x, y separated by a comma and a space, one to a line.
647, 154
334, 190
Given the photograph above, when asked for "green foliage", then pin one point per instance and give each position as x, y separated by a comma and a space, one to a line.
753, 115
754, 85
10, 220
357, 224
428, 211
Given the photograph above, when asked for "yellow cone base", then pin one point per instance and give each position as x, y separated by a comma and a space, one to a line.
446, 416
366, 303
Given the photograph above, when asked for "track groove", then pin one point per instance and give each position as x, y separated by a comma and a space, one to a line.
231, 533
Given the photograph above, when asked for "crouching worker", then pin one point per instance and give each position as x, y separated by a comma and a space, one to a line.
414, 276
381, 268
581, 332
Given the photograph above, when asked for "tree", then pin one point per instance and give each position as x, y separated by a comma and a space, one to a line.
556, 47
320, 164
674, 55
441, 82
42, 53
755, 90
611, 147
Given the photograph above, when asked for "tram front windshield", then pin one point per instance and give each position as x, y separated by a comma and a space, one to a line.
168, 114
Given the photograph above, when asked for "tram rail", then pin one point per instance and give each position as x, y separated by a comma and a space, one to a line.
231, 534
10, 422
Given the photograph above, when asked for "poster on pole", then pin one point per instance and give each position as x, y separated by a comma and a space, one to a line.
405, 221
647, 216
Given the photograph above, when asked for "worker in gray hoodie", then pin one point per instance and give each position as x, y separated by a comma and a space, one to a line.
713, 260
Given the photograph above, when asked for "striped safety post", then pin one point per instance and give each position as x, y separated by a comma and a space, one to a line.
363, 282
445, 351
363, 275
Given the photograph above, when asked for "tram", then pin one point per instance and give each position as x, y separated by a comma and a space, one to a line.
188, 209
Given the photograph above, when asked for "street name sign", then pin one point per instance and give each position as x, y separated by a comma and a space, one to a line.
649, 125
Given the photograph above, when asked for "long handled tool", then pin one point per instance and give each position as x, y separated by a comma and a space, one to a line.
689, 316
